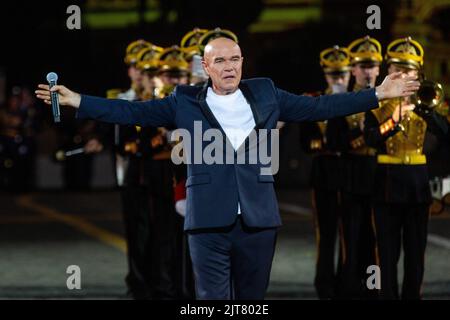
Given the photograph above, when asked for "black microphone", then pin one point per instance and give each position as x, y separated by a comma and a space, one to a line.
51, 79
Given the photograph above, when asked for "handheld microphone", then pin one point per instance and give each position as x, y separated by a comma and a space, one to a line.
51, 79
61, 155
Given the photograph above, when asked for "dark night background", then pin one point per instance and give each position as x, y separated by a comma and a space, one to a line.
71, 213
35, 40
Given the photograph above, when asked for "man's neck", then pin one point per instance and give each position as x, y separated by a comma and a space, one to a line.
223, 92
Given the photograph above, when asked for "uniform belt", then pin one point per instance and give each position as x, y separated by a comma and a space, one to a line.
406, 159
364, 151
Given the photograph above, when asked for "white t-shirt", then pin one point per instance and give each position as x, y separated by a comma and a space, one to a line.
234, 115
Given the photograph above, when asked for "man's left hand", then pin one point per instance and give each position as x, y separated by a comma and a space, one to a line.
397, 85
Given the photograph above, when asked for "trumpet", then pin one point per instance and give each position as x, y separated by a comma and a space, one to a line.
163, 91
429, 96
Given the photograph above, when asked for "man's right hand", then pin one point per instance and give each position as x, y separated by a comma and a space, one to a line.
397, 85
66, 96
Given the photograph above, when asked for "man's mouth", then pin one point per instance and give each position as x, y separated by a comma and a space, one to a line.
229, 77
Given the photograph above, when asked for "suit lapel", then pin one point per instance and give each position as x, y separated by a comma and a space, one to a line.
260, 116
252, 102
206, 110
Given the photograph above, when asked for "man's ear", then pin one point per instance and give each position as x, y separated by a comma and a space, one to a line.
205, 66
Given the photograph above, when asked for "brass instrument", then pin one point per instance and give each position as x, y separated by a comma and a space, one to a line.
368, 85
429, 96
164, 91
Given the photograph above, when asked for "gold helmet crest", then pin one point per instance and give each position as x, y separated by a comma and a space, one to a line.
214, 34
190, 42
406, 52
365, 50
335, 60
148, 58
172, 59
133, 49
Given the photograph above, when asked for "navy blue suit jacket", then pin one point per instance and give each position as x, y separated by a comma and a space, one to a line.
213, 190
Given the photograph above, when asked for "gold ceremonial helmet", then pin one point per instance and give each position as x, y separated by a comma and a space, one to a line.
214, 34
365, 50
335, 60
190, 42
133, 49
405, 52
172, 60
148, 58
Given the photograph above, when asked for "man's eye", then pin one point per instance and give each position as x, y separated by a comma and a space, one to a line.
219, 61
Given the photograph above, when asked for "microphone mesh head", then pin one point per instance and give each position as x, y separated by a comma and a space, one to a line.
60, 156
52, 77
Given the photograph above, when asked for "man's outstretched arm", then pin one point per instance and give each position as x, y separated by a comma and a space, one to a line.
156, 113
303, 108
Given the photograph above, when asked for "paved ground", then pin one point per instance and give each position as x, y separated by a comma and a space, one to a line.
41, 234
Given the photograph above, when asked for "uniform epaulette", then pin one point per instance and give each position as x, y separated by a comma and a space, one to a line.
385, 110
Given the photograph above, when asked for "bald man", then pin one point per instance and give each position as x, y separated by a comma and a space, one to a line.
232, 213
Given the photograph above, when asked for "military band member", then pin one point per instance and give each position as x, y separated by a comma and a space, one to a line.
325, 173
132, 148
148, 65
134, 73
173, 70
357, 168
190, 45
402, 193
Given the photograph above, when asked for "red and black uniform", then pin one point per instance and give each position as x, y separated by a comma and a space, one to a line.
401, 195
357, 170
148, 212
324, 181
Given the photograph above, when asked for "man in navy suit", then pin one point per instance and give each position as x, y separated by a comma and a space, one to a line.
232, 213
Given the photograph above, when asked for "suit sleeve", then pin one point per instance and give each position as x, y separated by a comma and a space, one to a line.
155, 113
304, 108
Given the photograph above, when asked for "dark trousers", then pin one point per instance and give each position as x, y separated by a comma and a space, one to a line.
396, 224
164, 265
184, 273
136, 216
232, 262
150, 226
357, 246
326, 205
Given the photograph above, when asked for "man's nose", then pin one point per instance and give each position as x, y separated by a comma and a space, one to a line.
229, 66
